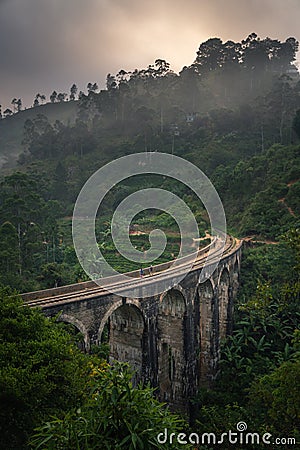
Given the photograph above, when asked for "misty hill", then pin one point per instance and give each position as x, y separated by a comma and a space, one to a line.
248, 86
12, 127
234, 112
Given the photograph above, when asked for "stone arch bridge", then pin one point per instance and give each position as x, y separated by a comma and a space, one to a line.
172, 339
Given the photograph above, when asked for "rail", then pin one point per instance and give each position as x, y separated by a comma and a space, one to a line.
89, 289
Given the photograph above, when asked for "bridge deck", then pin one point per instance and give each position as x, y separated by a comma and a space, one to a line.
89, 289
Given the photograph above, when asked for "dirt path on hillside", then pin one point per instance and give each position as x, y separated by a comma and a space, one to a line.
282, 200
259, 241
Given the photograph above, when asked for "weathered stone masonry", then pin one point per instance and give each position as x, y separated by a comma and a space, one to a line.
171, 340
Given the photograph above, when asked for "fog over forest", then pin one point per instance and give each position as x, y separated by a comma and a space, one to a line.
53, 44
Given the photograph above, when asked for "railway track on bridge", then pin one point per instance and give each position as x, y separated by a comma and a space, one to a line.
87, 290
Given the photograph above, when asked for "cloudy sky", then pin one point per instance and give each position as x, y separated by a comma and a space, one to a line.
50, 44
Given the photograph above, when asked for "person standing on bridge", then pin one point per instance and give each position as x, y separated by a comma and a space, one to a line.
150, 270
141, 272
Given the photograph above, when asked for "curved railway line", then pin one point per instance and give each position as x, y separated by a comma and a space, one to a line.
89, 289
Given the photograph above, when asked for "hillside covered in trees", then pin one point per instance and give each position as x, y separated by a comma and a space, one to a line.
235, 113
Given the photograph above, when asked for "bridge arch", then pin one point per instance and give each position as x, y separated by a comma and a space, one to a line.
66, 318
177, 289
126, 334
171, 326
108, 313
235, 277
207, 328
224, 302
